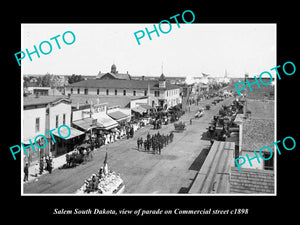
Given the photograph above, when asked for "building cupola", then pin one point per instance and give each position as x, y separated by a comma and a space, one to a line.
162, 81
113, 69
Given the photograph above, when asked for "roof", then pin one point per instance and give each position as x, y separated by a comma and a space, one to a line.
145, 106
264, 92
251, 181
157, 77
257, 133
262, 109
118, 115
32, 100
122, 84
139, 109
86, 123
105, 121
214, 174
258, 129
120, 76
162, 77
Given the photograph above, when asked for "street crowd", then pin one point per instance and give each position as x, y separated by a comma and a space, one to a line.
156, 141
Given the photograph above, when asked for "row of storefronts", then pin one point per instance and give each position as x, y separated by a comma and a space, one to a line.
85, 121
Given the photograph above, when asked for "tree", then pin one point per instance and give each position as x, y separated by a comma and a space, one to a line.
75, 78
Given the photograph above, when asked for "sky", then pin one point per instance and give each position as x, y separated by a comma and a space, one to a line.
188, 51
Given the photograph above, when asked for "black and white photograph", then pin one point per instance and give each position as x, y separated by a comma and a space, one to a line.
120, 111
160, 117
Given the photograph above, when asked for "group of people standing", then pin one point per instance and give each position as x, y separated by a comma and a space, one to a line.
156, 141
45, 163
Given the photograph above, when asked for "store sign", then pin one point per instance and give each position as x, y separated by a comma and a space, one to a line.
99, 108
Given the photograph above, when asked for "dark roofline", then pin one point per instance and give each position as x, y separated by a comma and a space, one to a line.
46, 101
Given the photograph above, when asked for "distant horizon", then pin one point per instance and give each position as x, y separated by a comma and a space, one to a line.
228, 76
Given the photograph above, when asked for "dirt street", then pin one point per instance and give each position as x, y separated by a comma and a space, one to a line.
171, 172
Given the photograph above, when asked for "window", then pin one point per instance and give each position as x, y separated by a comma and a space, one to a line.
86, 91
107, 92
56, 121
71, 90
116, 92
124, 92
78, 91
98, 91
37, 124
145, 93
134, 93
156, 93
64, 118
268, 164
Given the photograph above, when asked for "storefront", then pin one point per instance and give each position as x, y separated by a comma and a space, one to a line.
64, 145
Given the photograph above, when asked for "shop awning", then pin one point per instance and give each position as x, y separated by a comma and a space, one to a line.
86, 123
118, 115
139, 110
64, 132
146, 106
105, 121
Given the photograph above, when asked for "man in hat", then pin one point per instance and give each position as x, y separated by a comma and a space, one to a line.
26, 172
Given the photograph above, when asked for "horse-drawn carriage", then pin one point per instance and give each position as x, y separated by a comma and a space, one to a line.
80, 154
179, 126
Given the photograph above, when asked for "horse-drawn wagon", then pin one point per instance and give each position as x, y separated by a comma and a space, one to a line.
180, 126
80, 154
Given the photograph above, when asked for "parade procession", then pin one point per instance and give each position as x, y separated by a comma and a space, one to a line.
159, 131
